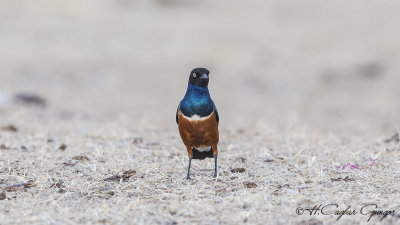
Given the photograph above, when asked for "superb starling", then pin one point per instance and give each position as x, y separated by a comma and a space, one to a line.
197, 118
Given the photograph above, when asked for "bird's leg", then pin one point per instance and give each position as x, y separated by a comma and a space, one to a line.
190, 154
215, 153
188, 171
215, 163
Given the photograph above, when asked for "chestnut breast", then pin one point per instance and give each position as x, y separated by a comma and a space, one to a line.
198, 131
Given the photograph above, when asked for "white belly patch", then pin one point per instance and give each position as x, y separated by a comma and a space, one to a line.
203, 149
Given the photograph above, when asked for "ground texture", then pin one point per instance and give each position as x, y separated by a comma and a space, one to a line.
307, 94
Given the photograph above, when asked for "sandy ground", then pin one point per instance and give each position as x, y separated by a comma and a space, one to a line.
307, 93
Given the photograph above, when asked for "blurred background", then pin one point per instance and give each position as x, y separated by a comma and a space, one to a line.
331, 66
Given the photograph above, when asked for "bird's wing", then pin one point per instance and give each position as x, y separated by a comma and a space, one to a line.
216, 114
179, 106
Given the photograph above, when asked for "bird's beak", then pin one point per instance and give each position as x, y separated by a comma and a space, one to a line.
205, 76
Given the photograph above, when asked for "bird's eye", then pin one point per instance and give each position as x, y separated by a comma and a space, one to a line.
194, 75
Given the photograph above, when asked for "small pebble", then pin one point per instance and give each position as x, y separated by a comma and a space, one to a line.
250, 184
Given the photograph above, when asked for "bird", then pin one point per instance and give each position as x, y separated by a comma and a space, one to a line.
198, 120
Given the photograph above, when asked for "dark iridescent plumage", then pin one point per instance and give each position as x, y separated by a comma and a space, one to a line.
197, 101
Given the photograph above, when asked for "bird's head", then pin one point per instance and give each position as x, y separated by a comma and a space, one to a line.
199, 77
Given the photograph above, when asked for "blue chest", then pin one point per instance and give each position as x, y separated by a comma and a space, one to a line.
197, 101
